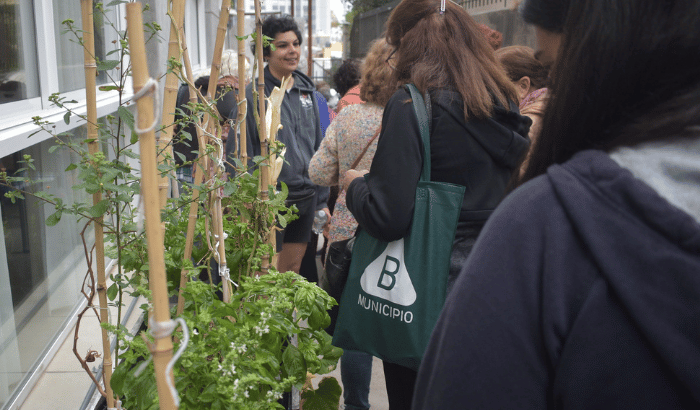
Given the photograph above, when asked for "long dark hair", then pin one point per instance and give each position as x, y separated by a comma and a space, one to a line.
438, 51
626, 72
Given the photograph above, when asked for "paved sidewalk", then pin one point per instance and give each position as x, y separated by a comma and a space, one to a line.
377, 390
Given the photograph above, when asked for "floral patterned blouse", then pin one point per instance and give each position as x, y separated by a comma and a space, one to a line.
345, 139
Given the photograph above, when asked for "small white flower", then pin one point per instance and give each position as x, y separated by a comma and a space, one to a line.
233, 369
246, 394
195, 331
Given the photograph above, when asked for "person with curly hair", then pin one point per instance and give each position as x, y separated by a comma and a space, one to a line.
301, 134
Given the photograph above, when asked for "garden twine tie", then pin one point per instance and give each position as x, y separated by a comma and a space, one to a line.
161, 330
151, 87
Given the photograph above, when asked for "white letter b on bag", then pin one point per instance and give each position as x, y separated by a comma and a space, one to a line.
386, 277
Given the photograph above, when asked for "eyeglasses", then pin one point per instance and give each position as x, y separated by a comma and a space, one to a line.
391, 56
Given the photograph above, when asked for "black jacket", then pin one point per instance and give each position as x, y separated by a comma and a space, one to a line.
582, 292
301, 134
188, 145
480, 155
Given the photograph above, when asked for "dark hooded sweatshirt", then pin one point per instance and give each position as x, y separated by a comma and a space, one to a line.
582, 292
480, 155
301, 134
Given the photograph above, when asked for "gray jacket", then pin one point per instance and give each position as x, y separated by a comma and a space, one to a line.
301, 134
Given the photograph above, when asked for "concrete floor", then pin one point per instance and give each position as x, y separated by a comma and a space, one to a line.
377, 390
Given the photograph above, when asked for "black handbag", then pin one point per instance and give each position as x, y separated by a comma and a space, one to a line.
335, 274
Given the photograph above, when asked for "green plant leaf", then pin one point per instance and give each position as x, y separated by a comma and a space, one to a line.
326, 397
119, 379
53, 219
109, 88
107, 65
99, 208
126, 116
294, 363
112, 291
66, 117
71, 167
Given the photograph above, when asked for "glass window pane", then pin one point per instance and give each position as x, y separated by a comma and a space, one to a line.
41, 268
69, 52
18, 65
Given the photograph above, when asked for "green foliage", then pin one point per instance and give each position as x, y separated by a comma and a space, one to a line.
239, 355
326, 397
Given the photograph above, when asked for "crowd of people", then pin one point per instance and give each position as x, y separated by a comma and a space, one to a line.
574, 274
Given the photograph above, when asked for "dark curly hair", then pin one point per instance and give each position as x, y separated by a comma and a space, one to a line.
274, 25
347, 75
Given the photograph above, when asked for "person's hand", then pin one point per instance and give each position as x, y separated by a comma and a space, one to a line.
350, 176
327, 226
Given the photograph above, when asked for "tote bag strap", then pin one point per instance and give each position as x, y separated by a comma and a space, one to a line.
419, 106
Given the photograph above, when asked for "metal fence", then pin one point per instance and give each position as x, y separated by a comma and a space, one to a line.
500, 15
367, 27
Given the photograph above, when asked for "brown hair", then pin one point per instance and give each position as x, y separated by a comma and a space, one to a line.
377, 85
438, 51
519, 62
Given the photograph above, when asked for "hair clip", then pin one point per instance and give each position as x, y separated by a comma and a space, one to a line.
442, 6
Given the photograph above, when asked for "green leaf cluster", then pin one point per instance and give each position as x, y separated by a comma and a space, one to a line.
241, 354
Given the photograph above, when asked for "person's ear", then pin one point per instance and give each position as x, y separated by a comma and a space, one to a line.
523, 86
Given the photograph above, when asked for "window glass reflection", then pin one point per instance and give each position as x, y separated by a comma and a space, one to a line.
69, 52
41, 268
19, 79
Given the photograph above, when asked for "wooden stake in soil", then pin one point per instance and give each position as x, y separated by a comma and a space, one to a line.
216, 197
162, 350
94, 147
242, 141
262, 131
171, 86
198, 172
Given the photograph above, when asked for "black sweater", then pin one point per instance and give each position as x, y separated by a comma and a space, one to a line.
480, 154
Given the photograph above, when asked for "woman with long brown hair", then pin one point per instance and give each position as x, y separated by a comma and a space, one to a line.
477, 136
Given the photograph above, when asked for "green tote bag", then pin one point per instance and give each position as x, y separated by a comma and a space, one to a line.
395, 290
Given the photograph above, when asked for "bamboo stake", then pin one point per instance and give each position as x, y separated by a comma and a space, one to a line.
165, 147
310, 57
211, 92
264, 143
162, 350
202, 166
240, 16
94, 147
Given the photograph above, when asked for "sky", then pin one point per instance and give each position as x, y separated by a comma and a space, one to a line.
338, 9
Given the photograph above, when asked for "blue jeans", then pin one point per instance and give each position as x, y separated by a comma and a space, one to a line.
356, 374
